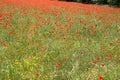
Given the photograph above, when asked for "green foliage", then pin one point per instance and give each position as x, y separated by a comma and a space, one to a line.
108, 2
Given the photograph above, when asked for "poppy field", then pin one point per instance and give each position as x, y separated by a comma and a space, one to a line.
56, 40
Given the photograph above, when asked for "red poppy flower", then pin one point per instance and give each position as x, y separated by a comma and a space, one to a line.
9, 15
100, 77
40, 46
109, 56
94, 30
36, 74
119, 52
102, 64
94, 62
1, 16
58, 64
64, 38
105, 33
101, 29
45, 37
111, 44
77, 34
98, 59
11, 32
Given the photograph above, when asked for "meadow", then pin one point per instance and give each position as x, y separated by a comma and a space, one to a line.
53, 40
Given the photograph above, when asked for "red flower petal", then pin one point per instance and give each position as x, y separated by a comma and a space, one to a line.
36, 74
94, 62
58, 64
102, 64
109, 56
100, 77
98, 59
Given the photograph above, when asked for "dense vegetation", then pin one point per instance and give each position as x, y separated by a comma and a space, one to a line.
106, 2
54, 40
